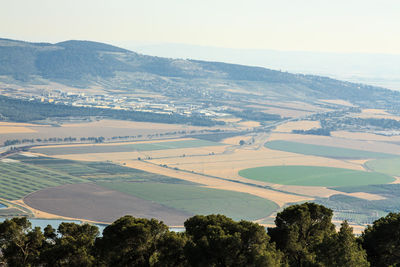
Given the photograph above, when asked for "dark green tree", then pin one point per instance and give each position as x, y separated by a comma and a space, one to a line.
382, 241
73, 246
20, 244
170, 250
216, 240
130, 241
300, 230
342, 249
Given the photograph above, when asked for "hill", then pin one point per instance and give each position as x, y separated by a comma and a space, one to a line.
86, 64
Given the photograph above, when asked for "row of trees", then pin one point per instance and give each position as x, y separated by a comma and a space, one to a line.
94, 139
304, 236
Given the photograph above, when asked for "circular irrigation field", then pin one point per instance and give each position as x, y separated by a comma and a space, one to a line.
314, 176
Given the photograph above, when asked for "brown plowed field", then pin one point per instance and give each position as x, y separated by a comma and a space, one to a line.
95, 203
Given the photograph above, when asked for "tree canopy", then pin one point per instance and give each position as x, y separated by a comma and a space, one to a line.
382, 241
303, 236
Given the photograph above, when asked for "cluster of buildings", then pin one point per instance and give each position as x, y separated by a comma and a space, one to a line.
127, 102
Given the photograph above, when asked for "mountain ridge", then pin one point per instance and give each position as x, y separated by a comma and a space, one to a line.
86, 63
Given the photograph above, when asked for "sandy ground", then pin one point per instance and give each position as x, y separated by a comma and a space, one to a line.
15, 129
375, 113
397, 181
236, 139
365, 136
155, 154
297, 125
340, 141
228, 120
338, 102
18, 124
249, 124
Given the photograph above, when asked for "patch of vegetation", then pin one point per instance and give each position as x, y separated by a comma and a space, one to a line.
97, 171
360, 123
77, 149
253, 115
199, 200
314, 131
386, 190
19, 179
216, 137
389, 166
324, 151
314, 176
358, 210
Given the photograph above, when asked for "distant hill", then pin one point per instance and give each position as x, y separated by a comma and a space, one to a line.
86, 63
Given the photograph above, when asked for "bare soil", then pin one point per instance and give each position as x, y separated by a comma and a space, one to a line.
95, 203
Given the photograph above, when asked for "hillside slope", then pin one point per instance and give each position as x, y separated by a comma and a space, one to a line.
84, 64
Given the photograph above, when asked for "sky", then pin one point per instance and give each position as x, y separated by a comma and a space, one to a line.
362, 26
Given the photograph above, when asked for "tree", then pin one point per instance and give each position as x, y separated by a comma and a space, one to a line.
216, 240
20, 245
130, 241
170, 250
342, 249
73, 246
300, 230
382, 241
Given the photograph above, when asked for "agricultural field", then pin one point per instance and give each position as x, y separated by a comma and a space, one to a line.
314, 176
105, 128
297, 125
107, 191
19, 179
199, 200
360, 211
389, 166
107, 148
324, 151
96, 171
98, 204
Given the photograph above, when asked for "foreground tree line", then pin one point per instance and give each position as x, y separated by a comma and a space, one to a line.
303, 236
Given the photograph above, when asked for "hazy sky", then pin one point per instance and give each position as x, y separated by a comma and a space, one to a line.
371, 26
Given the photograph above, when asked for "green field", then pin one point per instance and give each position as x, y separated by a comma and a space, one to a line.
389, 166
75, 149
19, 179
199, 200
96, 171
314, 176
324, 151
26, 175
